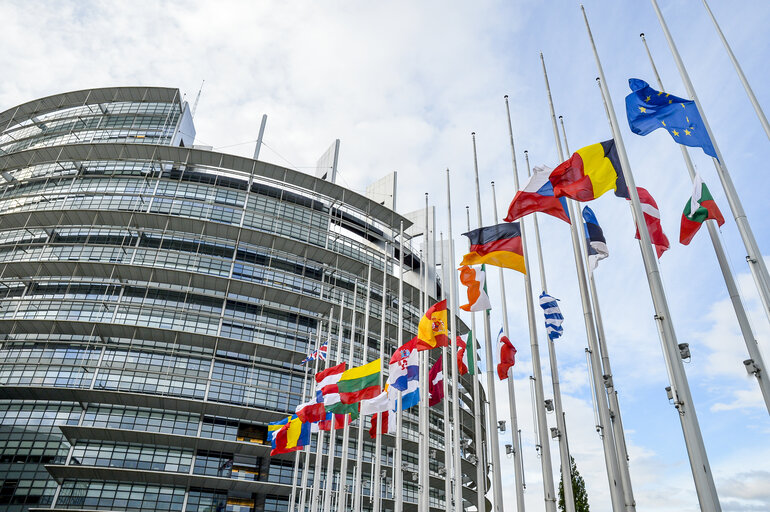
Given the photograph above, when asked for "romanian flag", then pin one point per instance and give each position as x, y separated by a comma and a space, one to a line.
498, 245
589, 173
291, 437
360, 383
432, 330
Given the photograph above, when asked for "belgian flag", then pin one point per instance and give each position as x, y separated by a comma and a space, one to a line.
498, 245
590, 172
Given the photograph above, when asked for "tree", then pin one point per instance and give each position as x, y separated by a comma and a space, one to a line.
578, 490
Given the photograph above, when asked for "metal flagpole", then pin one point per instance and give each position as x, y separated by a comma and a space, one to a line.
423, 463
303, 486
456, 465
617, 433
680, 390
744, 81
724, 265
342, 490
376, 482
328, 488
318, 463
470, 349
549, 492
610, 457
293, 495
754, 257
359, 471
398, 476
447, 377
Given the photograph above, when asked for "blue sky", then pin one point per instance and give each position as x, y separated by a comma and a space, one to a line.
403, 84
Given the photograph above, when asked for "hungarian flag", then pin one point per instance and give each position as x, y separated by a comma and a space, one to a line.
590, 172
432, 329
475, 280
538, 196
436, 383
498, 245
360, 383
652, 219
700, 208
465, 363
507, 355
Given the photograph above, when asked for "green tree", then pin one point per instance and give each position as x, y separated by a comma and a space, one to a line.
578, 490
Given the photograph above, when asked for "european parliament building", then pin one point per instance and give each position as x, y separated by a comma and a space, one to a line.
156, 300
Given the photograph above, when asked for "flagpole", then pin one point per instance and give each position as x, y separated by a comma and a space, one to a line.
342, 490
376, 482
704, 481
293, 495
739, 71
328, 488
398, 477
481, 456
754, 257
724, 265
359, 471
609, 386
303, 486
445, 405
423, 465
318, 463
610, 457
494, 443
456, 465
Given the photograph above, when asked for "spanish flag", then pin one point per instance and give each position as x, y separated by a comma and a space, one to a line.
589, 173
498, 245
432, 330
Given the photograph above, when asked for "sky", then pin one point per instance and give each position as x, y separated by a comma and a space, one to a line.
403, 85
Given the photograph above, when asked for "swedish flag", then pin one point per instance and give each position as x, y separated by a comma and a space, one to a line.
648, 110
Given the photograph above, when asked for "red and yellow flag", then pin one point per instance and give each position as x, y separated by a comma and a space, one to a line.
432, 330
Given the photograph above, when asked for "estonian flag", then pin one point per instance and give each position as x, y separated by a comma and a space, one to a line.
597, 245
498, 245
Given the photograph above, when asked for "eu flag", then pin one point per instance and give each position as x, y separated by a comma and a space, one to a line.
648, 110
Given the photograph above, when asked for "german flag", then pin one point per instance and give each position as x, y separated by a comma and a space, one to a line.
590, 172
498, 245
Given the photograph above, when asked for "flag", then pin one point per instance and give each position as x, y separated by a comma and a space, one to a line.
700, 208
327, 384
319, 354
498, 245
475, 281
553, 316
590, 172
274, 427
411, 396
507, 355
404, 366
465, 363
388, 423
432, 329
311, 412
291, 437
333, 421
652, 219
379, 403
648, 110
538, 196
597, 245
360, 383
436, 383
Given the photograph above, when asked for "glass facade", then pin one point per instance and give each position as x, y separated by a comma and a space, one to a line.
155, 303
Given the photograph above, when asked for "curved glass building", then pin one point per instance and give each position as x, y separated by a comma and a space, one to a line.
156, 300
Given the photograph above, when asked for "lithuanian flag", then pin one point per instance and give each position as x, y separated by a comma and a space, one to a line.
360, 383
432, 329
498, 245
590, 172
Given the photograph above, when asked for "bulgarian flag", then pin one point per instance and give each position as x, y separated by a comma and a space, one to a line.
465, 363
700, 208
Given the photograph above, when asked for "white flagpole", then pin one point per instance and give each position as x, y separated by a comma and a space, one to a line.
333, 432
724, 265
456, 464
398, 477
318, 463
342, 490
447, 378
610, 457
376, 492
303, 485
618, 435
754, 257
741, 76
680, 389
359, 472
293, 495
481, 456
423, 463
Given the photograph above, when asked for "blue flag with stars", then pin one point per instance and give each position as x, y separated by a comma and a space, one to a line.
648, 110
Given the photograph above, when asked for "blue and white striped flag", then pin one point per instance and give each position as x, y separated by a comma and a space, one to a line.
553, 316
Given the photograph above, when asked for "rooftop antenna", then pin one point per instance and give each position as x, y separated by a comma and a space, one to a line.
197, 99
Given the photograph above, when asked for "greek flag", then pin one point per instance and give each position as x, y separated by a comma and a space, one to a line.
553, 316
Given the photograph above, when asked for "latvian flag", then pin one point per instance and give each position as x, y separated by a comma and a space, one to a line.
652, 219
700, 208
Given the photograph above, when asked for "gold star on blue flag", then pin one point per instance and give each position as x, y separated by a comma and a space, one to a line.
648, 110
